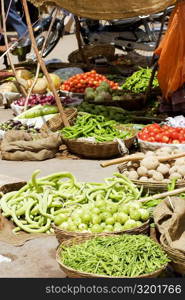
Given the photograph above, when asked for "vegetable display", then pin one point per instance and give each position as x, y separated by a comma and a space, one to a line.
162, 134
103, 216
17, 125
113, 113
36, 206
139, 81
36, 100
102, 130
125, 255
150, 169
103, 93
78, 83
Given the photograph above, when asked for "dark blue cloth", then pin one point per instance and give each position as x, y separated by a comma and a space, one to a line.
14, 19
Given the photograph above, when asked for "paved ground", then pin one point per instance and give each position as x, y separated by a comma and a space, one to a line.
37, 257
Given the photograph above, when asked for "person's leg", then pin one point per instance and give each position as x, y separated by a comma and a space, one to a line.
14, 19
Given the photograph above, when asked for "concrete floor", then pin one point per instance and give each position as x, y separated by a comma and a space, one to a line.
36, 258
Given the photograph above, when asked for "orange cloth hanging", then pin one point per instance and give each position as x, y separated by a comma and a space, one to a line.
171, 51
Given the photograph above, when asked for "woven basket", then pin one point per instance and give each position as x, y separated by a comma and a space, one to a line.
62, 235
98, 150
90, 51
153, 187
56, 122
177, 257
71, 273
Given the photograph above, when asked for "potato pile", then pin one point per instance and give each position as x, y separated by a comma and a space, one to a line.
150, 169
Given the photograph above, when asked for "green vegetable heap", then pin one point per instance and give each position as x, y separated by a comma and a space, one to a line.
48, 200
88, 125
138, 81
125, 255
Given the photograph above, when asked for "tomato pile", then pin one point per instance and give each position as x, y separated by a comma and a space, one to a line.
162, 134
78, 83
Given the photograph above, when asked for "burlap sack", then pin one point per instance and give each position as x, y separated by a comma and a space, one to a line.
108, 9
18, 145
169, 217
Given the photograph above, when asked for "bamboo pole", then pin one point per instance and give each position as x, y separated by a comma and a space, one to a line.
38, 65
79, 41
43, 66
163, 195
19, 86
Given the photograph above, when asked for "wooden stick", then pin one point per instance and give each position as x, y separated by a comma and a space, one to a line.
43, 66
79, 41
38, 65
133, 157
139, 156
19, 86
163, 195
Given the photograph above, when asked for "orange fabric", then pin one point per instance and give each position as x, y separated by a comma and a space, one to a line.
171, 74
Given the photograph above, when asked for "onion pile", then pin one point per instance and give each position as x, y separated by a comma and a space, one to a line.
36, 100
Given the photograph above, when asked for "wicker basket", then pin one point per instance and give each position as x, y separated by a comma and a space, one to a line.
153, 187
71, 273
56, 122
177, 257
90, 51
97, 150
62, 235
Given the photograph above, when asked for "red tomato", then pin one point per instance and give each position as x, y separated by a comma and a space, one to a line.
151, 139
165, 139
158, 137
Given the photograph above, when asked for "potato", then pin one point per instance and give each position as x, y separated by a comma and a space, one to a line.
157, 176
173, 170
133, 175
151, 172
143, 178
150, 163
180, 161
163, 169
181, 170
142, 171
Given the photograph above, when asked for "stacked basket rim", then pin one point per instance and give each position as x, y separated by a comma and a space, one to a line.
63, 235
72, 273
177, 256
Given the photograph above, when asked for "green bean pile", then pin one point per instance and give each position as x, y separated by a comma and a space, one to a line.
125, 255
139, 81
89, 125
35, 206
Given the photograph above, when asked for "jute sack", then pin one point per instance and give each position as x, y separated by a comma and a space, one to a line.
169, 217
19, 145
108, 9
